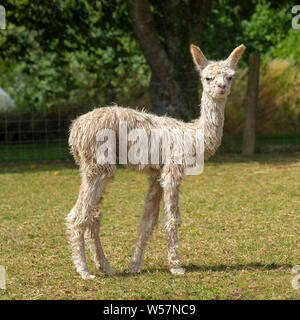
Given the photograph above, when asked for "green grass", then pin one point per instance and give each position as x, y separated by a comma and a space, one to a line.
239, 237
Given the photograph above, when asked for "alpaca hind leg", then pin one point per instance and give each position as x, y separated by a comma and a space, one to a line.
92, 233
76, 229
148, 222
81, 217
95, 246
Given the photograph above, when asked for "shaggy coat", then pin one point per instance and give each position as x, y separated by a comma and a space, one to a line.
164, 178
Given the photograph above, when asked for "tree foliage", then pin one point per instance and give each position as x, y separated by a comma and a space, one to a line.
70, 51
75, 53
267, 26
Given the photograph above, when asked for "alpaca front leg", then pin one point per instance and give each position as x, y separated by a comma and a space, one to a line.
147, 224
171, 223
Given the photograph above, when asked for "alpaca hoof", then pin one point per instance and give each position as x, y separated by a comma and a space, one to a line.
106, 269
88, 276
110, 272
134, 269
178, 271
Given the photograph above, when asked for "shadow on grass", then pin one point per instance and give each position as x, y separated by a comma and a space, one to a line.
237, 267
262, 158
215, 268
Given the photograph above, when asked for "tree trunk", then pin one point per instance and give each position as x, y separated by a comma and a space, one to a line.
251, 105
188, 105
159, 97
174, 81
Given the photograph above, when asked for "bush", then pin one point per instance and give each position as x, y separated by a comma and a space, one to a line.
278, 101
289, 47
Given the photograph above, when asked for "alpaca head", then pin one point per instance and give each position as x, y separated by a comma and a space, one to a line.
216, 76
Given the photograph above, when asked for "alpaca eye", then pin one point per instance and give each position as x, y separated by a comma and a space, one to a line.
208, 79
229, 78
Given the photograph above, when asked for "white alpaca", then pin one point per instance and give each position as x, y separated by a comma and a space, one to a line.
164, 178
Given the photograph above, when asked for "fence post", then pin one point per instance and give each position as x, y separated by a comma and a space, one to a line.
251, 104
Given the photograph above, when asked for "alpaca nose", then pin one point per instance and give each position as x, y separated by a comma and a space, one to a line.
221, 86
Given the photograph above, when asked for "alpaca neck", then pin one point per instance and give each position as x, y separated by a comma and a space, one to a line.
211, 121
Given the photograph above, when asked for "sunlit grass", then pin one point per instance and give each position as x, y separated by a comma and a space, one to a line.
239, 237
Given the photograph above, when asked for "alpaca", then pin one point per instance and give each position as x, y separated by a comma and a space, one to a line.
83, 221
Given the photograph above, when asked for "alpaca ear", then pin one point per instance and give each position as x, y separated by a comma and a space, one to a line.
198, 57
235, 56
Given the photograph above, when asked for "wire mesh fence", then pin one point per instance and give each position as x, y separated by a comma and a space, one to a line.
44, 136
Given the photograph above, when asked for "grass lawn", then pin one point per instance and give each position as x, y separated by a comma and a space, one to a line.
239, 238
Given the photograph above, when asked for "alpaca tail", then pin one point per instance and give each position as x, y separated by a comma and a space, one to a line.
72, 143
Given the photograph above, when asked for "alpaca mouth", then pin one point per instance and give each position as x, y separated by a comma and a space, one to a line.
221, 92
